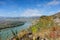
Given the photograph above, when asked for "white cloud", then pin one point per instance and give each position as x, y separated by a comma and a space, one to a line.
31, 12
54, 2
49, 4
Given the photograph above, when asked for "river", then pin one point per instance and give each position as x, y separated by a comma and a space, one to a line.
6, 33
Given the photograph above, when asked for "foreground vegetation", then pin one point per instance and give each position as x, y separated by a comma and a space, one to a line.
43, 29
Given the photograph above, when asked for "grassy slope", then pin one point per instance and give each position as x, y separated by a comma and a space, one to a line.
44, 28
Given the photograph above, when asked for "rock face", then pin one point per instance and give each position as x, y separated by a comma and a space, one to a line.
57, 18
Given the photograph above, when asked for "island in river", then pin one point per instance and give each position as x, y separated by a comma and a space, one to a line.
9, 23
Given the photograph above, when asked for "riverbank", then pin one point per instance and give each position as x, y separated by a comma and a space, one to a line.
11, 25
7, 33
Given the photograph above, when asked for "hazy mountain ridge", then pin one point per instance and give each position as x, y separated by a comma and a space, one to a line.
8, 22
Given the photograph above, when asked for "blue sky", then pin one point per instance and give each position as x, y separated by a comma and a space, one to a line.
28, 8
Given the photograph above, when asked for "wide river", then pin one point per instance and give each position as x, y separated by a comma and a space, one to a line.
6, 33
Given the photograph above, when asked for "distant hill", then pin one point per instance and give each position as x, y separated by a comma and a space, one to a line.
8, 22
